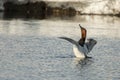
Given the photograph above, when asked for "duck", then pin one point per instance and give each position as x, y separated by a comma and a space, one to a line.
81, 48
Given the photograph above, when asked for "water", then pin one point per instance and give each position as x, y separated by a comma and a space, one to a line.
31, 49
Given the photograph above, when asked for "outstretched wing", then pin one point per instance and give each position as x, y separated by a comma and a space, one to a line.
90, 44
70, 40
83, 36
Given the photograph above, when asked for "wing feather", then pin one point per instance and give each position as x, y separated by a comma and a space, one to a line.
70, 40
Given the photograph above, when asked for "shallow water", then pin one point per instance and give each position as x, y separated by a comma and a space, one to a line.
31, 49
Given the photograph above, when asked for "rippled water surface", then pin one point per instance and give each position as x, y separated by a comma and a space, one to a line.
31, 49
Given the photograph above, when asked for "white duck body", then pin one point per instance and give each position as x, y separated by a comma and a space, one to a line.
80, 52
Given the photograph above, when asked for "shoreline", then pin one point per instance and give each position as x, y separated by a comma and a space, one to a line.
43, 8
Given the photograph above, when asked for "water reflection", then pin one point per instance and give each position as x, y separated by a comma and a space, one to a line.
56, 26
39, 58
83, 63
1, 15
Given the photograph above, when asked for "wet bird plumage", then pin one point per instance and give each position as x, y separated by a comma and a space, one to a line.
81, 48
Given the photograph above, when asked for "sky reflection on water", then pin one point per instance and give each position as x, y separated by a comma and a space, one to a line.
30, 49
96, 25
